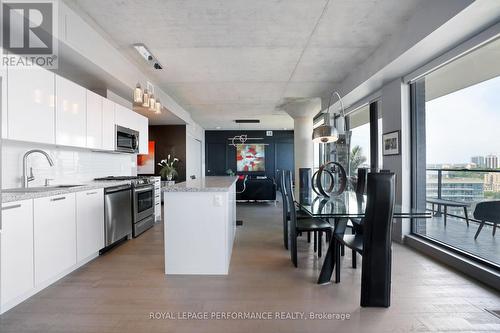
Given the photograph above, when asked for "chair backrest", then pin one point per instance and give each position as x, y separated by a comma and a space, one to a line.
377, 228
488, 211
379, 208
361, 183
289, 197
279, 178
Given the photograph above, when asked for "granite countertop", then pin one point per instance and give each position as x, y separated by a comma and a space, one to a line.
18, 196
206, 184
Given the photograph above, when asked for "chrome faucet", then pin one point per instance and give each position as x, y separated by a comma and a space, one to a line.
26, 178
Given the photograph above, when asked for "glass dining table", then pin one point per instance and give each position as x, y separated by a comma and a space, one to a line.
344, 206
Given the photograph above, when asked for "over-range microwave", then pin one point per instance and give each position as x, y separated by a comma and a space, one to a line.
127, 140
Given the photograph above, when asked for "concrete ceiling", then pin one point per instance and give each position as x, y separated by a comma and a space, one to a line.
233, 59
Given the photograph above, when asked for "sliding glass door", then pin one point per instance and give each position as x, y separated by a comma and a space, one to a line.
455, 152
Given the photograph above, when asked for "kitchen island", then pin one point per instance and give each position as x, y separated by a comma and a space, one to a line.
200, 225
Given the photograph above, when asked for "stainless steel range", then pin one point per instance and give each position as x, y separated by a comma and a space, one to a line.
142, 202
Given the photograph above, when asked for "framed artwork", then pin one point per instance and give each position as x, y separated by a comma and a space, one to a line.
146, 163
250, 158
391, 143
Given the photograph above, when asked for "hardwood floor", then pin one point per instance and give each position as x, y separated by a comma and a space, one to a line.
118, 291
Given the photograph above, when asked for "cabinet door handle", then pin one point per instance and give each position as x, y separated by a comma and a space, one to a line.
11, 207
57, 199
90, 193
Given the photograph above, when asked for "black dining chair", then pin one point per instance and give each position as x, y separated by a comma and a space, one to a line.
280, 176
357, 222
297, 226
374, 243
487, 211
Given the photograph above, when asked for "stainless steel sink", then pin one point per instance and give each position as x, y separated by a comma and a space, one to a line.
38, 189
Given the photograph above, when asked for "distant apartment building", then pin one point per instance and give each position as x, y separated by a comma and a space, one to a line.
478, 161
457, 189
492, 182
491, 161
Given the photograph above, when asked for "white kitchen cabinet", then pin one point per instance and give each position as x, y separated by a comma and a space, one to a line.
30, 104
89, 223
71, 113
16, 263
54, 236
108, 124
125, 117
131, 119
94, 120
157, 183
143, 134
3, 73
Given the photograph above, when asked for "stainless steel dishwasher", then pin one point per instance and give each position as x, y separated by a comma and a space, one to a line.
118, 213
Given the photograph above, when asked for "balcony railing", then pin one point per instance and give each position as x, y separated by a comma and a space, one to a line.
462, 186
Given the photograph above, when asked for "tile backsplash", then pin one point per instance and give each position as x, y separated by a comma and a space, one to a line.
71, 165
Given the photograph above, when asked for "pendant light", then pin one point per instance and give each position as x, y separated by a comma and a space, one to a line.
145, 99
138, 94
158, 107
327, 133
152, 102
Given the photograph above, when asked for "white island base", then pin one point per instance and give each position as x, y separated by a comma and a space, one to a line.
200, 225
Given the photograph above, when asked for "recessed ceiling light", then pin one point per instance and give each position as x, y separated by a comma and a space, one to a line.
218, 127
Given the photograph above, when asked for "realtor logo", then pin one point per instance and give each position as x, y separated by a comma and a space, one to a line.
29, 33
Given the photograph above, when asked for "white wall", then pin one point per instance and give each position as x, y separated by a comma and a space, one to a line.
72, 165
195, 135
395, 108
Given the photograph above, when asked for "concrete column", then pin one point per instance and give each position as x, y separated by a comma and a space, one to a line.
302, 110
303, 145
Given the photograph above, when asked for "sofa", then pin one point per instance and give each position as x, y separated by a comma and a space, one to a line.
254, 188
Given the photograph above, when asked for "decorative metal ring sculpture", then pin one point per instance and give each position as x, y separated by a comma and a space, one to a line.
336, 168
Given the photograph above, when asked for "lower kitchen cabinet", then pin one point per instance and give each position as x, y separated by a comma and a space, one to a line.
16, 263
89, 223
54, 236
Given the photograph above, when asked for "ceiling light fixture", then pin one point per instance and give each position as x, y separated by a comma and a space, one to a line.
145, 99
138, 93
147, 55
327, 133
152, 102
158, 106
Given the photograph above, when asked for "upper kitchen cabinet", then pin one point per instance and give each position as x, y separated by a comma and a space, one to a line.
94, 120
108, 124
30, 105
131, 119
71, 123
143, 134
3, 78
125, 117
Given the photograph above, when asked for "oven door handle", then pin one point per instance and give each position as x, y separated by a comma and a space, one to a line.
144, 189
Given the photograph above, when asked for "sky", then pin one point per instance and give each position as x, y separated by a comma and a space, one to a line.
463, 124
361, 137
459, 125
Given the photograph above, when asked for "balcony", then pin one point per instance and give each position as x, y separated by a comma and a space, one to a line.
468, 186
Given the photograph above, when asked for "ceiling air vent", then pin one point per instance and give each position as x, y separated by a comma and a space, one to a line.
247, 121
